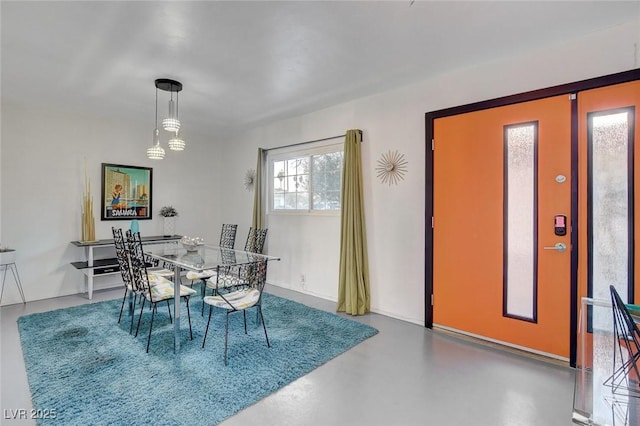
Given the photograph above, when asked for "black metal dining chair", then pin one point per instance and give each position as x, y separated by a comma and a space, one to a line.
254, 244
124, 264
247, 293
626, 354
227, 240
162, 291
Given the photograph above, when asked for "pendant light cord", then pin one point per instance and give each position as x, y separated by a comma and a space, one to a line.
156, 107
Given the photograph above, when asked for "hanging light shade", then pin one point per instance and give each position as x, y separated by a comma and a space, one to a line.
155, 151
176, 143
170, 124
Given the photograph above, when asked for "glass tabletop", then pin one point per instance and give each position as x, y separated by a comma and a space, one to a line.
204, 257
595, 401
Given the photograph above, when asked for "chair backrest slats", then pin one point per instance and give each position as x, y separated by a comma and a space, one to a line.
138, 264
250, 275
228, 235
260, 278
122, 253
255, 240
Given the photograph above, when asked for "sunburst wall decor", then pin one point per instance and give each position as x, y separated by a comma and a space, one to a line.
249, 179
391, 167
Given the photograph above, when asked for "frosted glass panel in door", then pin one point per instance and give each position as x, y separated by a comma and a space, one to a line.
610, 211
520, 208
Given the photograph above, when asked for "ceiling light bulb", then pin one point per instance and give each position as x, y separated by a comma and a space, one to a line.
176, 143
171, 123
155, 151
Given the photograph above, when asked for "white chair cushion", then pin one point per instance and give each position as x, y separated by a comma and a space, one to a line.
160, 292
186, 291
164, 290
160, 271
155, 279
239, 300
192, 275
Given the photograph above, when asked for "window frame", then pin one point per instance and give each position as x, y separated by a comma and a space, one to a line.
290, 153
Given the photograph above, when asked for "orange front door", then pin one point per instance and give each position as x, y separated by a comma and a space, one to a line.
502, 183
609, 188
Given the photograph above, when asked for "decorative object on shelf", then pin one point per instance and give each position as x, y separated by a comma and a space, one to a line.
191, 243
169, 214
88, 220
170, 124
126, 192
168, 211
169, 226
134, 227
391, 167
249, 179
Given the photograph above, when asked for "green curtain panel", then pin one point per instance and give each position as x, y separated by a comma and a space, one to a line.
353, 290
258, 211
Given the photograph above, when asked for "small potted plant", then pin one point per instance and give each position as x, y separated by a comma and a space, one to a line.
168, 211
169, 214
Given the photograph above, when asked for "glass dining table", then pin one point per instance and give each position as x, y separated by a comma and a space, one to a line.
205, 257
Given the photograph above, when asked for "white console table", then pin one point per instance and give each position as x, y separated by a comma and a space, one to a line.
92, 267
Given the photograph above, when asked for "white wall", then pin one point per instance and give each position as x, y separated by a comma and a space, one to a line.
394, 120
42, 170
42, 175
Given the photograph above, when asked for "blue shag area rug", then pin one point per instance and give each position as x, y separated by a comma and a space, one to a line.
87, 369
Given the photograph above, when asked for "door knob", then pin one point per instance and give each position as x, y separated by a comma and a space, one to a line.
558, 247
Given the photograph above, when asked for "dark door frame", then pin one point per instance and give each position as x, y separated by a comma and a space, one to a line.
570, 89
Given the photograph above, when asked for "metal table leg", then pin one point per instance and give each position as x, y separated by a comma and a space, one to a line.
176, 309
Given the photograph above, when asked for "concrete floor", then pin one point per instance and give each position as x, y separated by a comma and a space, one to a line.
404, 375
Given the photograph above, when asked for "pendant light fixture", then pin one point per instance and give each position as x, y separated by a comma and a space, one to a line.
155, 151
170, 124
176, 143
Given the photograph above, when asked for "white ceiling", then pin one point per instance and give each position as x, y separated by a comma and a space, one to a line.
248, 63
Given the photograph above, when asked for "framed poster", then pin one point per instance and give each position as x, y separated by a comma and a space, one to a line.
126, 192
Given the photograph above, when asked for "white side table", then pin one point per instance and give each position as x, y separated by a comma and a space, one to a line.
8, 261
